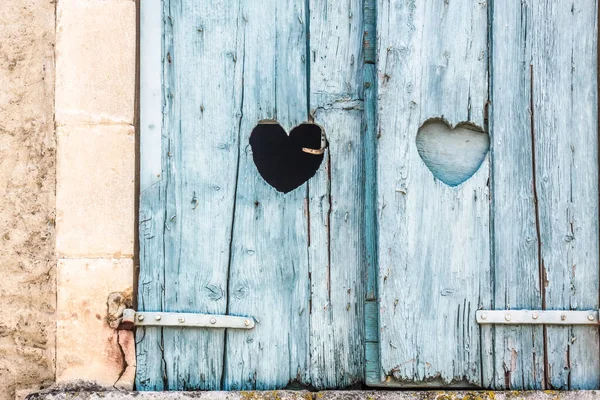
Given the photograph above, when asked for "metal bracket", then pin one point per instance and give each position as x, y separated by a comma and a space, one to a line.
159, 318
537, 317
319, 151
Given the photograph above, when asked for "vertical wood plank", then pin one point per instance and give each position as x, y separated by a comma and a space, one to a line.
433, 239
372, 359
150, 366
565, 126
513, 356
200, 141
268, 277
544, 147
336, 196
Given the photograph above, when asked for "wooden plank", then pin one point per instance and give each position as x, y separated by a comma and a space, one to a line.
151, 101
565, 125
336, 196
149, 370
434, 252
544, 184
268, 275
192, 212
512, 356
372, 359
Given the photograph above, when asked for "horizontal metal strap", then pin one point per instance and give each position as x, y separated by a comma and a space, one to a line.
158, 318
537, 317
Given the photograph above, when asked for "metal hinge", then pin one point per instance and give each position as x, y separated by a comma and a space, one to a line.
537, 317
159, 318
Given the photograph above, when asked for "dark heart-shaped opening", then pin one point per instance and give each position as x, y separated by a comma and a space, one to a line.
280, 159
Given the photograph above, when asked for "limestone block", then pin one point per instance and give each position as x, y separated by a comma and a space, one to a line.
95, 191
87, 347
95, 61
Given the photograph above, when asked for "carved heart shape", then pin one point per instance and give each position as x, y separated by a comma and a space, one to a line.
452, 155
279, 157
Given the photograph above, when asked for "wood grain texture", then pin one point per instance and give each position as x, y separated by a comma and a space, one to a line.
268, 276
433, 239
336, 196
149, 344
544, 185
229, 243
189, 212
565, 125
513, 357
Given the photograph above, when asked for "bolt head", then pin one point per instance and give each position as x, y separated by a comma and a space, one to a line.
507, 317
158, 318
563, 317
213, 320
181, 320
140, 317
591, 317
535, 315
247, 322
484, 316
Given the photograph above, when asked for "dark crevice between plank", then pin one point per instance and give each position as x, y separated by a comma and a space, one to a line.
536, 206
372, 371
310, 119
235, 190
307, 57
487, 116
136, 126
330, 203
598, 141
166, 175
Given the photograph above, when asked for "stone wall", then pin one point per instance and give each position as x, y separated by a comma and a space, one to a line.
95, 187
27, 200
67, 191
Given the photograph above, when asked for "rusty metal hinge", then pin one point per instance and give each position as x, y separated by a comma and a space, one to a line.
537, 317
192, 320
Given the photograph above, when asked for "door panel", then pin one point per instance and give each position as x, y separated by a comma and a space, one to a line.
434, 251
215, 237
545, 190
521, 235
336, 195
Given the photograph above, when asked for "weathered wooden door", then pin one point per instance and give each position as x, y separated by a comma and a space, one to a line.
522, 231
461, 174
214, 236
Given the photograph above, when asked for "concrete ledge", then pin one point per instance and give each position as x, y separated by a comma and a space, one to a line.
74, 394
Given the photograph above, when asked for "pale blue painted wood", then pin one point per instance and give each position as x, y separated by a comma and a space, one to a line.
372, 359
433, 245
544, 127
513, 357
268, 276
186, 218
564, 65
149, 343
336, 196
219, 239
151, 101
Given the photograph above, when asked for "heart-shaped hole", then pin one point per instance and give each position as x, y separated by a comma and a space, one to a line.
452, 154
280, 159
